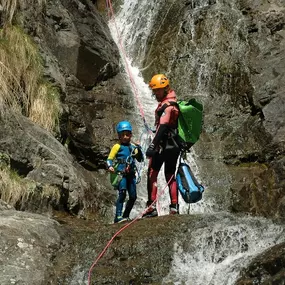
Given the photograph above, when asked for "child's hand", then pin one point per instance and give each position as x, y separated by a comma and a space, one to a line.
111, 169
136, 143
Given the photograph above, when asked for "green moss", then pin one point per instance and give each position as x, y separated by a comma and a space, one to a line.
261, 166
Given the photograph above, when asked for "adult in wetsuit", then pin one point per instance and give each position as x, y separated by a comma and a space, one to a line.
163, 148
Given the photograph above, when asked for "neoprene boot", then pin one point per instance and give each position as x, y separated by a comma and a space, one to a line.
119, 219
174, 209
151, 211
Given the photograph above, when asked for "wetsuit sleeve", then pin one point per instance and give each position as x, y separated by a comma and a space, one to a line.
162, 129
112, 155
166, 121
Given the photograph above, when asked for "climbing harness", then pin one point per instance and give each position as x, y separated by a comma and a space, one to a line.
129, 161
117, 175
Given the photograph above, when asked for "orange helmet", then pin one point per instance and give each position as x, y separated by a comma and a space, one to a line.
158, 81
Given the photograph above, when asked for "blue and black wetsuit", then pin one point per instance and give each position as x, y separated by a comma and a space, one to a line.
122, 158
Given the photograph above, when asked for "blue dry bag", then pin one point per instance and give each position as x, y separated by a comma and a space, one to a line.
190, 190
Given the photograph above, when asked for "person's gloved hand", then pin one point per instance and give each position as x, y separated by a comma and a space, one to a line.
136, 150
150, 152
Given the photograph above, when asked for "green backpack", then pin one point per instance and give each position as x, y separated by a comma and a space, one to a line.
189, 122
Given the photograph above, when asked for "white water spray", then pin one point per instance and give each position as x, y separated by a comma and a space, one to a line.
220, 251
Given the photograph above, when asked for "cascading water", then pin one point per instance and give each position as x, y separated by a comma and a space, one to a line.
131, 45
216, 253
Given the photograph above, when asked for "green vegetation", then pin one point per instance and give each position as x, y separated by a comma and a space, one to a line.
23, 90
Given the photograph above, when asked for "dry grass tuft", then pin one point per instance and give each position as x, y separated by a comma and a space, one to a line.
45, 109
21, 86
15, 190
20, 68
8, 10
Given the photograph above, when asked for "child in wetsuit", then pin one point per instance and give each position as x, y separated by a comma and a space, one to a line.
121, 164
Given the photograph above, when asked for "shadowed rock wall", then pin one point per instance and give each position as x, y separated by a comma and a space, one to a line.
82, 61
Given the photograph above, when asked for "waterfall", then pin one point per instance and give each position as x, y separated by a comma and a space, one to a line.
216, 252
131, 35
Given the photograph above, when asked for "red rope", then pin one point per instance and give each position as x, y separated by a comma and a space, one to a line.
123, 228
112, 15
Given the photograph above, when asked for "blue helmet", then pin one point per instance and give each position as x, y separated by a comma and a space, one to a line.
124, 126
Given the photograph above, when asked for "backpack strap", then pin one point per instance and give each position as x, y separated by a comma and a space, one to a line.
165, 105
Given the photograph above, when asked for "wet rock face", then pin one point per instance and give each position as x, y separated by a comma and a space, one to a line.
230, 56
83, 61
200, 249
74, 34
141, 254
267, 268
29, 243
36, 154
97, 55
93, 117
